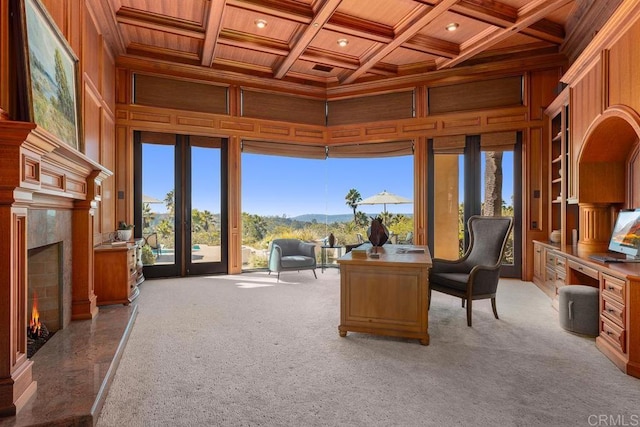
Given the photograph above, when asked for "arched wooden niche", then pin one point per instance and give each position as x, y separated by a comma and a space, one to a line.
608, 173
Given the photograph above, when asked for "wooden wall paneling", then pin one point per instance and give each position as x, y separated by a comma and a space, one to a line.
91, 115
535, 192
5, 68
176, 121
123, 175
234, 172
633, 182
586, 104
235, 93
123, 92
107, 210
542, 90
624, 73
91, 57
108, 79
420, 191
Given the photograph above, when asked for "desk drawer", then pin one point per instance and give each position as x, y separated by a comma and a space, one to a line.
613, 287
591, 272
613, 310
613, 334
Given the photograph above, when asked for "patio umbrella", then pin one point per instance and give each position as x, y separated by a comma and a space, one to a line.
385, 198
149, 199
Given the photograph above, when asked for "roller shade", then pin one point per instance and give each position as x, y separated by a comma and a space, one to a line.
453, 144
369, 150
306, 151
498, 141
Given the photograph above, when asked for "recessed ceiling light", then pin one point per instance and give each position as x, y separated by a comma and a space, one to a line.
452, 27
260, 23
343, 42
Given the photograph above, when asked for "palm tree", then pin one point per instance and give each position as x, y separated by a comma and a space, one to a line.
352, 198
493, 184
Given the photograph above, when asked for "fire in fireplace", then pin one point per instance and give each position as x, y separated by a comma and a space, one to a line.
37, 333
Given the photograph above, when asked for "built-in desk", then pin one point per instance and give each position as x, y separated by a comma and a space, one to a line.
619, 285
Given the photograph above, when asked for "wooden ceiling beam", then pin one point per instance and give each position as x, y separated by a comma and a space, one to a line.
432, 46
412, 27
529, 14
302, 43
211, 30
311, 54
285, 9
253, 42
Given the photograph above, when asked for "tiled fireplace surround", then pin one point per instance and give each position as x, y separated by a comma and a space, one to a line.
48, 194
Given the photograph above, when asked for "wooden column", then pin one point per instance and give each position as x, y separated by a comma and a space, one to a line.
595, 227
16, 382
84, 304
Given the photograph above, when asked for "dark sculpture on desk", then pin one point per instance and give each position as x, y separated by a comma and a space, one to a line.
378, 234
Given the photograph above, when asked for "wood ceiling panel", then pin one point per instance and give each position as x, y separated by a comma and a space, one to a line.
259, 59
403, 56
162, 40
387, 38
244, 21
328, 41
188, 10
383, 12
468, 28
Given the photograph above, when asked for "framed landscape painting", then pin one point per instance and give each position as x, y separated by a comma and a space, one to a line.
51, 71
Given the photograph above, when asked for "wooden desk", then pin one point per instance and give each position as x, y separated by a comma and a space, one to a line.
388, 295
619, 290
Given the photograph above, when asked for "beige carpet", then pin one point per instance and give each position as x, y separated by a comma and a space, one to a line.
244, 350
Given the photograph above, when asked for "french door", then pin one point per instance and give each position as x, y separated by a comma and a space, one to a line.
474, 175
180, 203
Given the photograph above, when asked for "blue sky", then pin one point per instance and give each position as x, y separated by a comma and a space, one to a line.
273, 185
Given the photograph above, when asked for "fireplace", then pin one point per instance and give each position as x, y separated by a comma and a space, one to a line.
49, 193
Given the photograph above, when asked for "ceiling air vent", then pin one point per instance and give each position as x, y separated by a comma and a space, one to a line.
322, 68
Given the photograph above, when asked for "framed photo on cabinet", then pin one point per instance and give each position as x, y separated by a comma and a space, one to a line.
50, 74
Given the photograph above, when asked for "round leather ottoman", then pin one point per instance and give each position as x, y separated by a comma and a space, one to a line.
578, 309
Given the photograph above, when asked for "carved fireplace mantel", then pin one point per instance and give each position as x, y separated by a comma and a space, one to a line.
39, 171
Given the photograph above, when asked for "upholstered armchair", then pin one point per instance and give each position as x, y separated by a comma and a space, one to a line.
476, 274
292, 254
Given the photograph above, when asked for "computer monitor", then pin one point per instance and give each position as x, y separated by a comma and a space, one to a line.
625, 237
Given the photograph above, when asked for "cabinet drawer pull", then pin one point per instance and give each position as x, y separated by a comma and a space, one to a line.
610, 310
611, 288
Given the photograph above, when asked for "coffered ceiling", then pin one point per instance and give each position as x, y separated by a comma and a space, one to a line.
300, 40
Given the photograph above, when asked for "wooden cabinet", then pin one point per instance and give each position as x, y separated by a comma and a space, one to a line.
538, 263
550, 269
116, 274
619, 285
612, 315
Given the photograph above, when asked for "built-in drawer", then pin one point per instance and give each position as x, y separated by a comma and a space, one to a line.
588, 271
613, 310
550, 279
613, 334
613, 287
561, 264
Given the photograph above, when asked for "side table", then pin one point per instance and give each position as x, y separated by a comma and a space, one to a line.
323, 254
